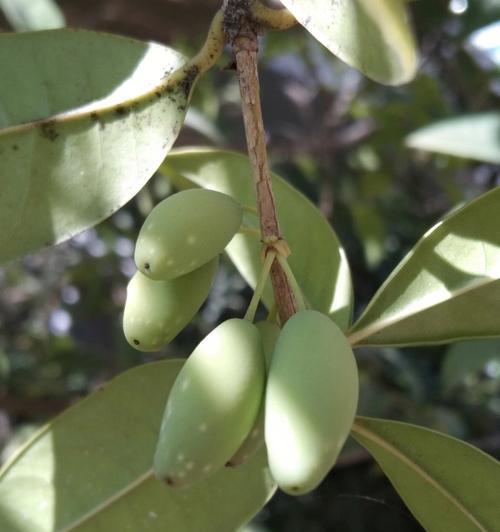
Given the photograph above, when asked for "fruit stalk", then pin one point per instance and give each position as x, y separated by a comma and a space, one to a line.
242, 34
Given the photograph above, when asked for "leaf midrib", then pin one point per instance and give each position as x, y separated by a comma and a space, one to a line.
377, 326
109, 501
104, 109
384, 444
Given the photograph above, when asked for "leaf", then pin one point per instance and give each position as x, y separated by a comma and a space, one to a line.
373, 36
446, 483
466, 360
447, 288
317, 259
87, 119
26, 15
369, 225
475, 136
90, 469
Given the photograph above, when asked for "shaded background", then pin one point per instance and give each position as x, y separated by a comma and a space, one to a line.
339, 138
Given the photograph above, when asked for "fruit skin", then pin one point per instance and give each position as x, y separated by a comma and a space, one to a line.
213, 404
269, 333
311, 401
185, 231
156, 311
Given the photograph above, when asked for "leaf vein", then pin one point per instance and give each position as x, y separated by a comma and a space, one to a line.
362, 431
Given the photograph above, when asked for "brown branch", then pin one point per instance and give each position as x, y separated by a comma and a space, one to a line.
245, 45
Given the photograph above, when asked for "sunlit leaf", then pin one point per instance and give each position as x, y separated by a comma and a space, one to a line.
475, 136
317, 260
446, 483
447, 288
86, 119
26, 15
90, 470
373, 36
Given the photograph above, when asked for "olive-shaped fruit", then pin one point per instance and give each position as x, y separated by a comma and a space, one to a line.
269, 333
213, 404
156, 311
185, 231
311, 401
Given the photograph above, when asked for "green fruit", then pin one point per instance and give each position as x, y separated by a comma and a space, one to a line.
213, 404
156, 311
311, 400
269, 333
185, 231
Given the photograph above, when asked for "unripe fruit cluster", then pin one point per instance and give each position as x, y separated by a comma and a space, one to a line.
220, 409
295, 388
177, 256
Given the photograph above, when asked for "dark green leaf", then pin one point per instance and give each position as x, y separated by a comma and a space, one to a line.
90, 470
447, 288
317, 260
464, 362
446, 483
87, 118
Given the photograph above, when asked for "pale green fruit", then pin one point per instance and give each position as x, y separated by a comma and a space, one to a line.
156, 311
269, 333
213, 404
185, 231
311, 400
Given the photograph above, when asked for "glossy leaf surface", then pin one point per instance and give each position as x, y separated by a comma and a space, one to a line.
90, 470
475, 136
447, 288
85, 120
444, 481
373, 36
317, 260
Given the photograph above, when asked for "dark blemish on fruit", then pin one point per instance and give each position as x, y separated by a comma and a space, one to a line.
15, 147
158, 94
147, 266
136, 342
169, 481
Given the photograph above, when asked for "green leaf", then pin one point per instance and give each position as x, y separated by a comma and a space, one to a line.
90, 470
475, 136
26, 15
369, 225
447, 288
87, 118
465, 361
447, 484
373, 36
317, 259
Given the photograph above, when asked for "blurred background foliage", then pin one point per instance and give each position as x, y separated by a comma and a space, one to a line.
340, 139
